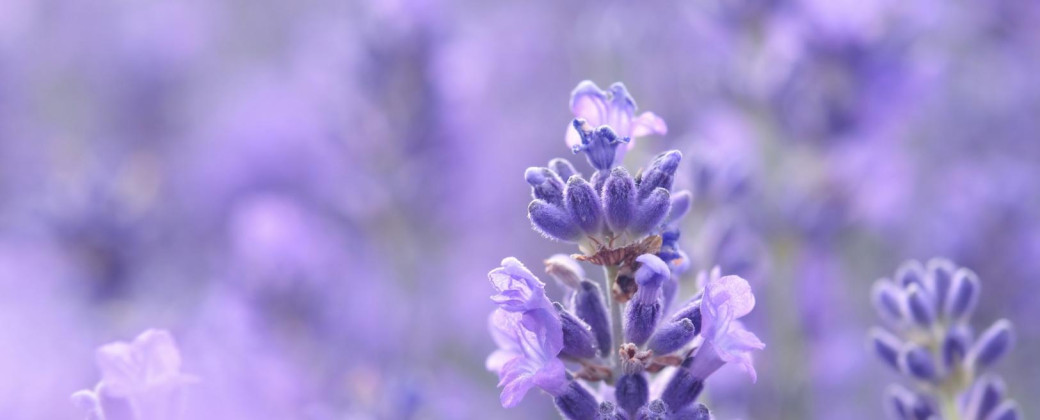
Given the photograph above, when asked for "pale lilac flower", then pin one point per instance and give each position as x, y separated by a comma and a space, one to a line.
726, 299
614, 108
533, 340
518, 289
529, 334
503, 332
139, 380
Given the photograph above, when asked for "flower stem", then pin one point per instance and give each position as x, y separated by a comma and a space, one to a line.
948, 406
611, 272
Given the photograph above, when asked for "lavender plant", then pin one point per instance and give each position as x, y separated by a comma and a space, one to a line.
929, 307
616, 349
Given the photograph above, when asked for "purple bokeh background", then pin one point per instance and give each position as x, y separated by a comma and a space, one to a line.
309, 196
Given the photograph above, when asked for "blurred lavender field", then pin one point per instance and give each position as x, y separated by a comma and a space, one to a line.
309, 196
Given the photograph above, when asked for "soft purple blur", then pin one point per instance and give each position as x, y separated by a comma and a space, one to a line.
309, 196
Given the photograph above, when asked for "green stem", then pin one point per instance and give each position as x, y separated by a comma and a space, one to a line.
948, 406
611, 272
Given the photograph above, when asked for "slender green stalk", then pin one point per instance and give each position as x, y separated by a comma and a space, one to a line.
948, 406
611, 272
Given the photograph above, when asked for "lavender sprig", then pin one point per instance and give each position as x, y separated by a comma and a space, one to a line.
625, 330
929, 308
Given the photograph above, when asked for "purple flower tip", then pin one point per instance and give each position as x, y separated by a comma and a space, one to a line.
652, 271
614, 108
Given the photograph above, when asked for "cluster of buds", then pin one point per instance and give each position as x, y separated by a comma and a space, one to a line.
596, 350
929, 307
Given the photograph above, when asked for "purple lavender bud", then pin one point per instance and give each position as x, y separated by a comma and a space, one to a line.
660, 174
691, 311
644, 310
650, 213
599, 144
588, 305
565, 270
955, 346
640, 320
578, 341
984, 397
1008, 410
887, 300
552, 221
897, 405
631, 392
919, 307
584, 205
672, 337
917, 362
886, 346
619, 199
910, 272
576, 403
992, 345
545, 184
940, 279
905, 404
693, 412
963, 294
683, 388
655, 410
563, 168
680, 205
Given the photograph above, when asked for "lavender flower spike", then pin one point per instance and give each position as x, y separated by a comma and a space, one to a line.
935, 345
726, 299
139, 380
615, 108
611, 334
